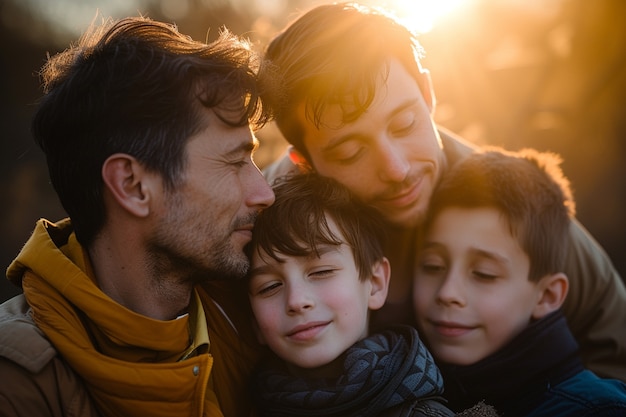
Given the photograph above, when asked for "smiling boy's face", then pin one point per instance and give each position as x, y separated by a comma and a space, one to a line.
472, 294
309, 310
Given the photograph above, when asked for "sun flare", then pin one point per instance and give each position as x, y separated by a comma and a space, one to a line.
422, 15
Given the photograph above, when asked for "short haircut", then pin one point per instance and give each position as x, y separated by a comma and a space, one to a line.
296, 223
334, 54
138, 87
529, 190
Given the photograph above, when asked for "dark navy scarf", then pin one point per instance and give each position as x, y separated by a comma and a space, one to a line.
380, 372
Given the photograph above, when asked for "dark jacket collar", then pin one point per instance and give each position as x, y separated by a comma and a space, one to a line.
515, 378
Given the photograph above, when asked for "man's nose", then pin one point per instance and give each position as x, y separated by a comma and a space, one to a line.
393, 165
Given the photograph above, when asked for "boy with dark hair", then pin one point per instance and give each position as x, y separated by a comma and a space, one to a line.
490, 284
317, 271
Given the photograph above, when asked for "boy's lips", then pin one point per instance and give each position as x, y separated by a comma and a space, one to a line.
451, 329
307, 331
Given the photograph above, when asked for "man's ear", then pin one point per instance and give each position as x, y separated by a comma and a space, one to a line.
129, 183
381, 271
299, 160
428, 92
552, 292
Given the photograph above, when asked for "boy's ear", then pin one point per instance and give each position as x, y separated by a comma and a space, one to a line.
299, 160
129, 183
552, 292
381, 271
428, 92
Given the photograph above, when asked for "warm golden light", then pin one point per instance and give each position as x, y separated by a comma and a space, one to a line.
422, 15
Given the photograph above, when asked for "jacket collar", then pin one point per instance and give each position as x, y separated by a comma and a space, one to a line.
515, 378
128, 361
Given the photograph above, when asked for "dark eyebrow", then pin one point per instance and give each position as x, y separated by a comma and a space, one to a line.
334, 142
475, 251
246, 147
322, 249
432, 245
491, 255
263, 269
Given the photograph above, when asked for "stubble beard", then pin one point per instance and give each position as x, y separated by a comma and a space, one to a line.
227, 263
210, 256
222, 263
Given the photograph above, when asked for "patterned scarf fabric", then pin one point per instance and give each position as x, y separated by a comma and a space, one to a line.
380, 372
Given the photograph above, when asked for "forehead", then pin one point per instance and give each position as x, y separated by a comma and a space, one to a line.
214, 136
394, 89
303, 237
483, 229
456, 219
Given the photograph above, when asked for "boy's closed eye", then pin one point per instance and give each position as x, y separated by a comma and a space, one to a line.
264, 284
432, 262
269, 288
482, 275
432, 268
323, 273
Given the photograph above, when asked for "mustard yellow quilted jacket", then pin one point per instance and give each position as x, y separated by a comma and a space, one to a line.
76, 351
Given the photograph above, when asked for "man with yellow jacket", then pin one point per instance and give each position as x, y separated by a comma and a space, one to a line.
130, 307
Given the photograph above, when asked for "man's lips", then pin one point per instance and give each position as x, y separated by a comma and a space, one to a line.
404, 197
244, 225
245, 229
307, 331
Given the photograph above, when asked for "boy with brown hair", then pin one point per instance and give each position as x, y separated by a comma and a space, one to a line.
490, 285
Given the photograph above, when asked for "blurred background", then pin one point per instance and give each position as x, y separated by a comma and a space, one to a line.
548, 74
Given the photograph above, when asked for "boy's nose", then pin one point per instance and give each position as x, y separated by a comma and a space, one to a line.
451, 290
298, 300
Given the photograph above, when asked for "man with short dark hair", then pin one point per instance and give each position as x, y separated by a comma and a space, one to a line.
127, 306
